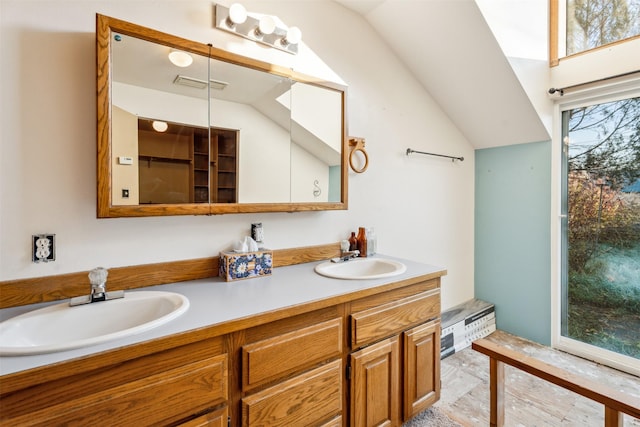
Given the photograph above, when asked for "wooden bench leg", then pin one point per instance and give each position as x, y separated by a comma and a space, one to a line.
612, 418
496, 387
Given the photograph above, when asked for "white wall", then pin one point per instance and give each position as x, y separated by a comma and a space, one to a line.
421, 207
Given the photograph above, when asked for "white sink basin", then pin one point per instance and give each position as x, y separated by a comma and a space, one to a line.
361, 268
61, 327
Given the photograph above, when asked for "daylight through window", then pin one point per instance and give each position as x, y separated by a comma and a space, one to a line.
594, 23
601, 230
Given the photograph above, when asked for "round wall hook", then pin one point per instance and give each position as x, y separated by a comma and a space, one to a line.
358, 145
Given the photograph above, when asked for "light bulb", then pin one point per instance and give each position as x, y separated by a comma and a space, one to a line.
266, 26
237, 14
159, 126
294, 35
180, 58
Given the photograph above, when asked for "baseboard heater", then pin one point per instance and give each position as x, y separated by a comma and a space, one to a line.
464, 323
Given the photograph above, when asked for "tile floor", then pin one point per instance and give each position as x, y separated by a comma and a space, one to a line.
529, 401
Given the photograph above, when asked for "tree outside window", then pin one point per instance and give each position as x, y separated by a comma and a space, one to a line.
594, 23
603, 225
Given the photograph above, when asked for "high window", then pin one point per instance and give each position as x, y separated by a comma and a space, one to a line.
581, 25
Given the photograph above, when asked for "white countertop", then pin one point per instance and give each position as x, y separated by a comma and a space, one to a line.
214, 301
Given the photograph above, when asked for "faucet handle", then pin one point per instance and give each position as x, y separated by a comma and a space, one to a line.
98, 276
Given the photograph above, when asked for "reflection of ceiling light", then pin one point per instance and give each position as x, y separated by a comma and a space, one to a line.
294, 35
180, 58
237, 14
199, 84
159, 126
266, 26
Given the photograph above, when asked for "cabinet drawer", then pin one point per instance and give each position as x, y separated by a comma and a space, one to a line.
276, 357
216, 418
335, 422
156, 399
387, 319
306, 400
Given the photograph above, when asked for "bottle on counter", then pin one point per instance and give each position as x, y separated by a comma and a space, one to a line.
257, 234
372, 242
362, 241
353, 242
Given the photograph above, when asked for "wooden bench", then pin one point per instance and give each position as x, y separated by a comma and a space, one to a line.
615, 402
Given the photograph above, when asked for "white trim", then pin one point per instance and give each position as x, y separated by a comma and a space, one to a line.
607, 92
597, 93
556, 222
600, 355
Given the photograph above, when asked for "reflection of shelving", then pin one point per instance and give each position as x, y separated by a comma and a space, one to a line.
200, 166
164, 163
224, 165
179, 166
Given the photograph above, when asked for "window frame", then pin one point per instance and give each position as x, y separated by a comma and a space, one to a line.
628, 88
558, 35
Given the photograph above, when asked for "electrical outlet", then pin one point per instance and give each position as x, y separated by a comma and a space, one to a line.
43, 247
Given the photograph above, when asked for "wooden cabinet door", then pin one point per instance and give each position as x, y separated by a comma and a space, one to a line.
421, 367
375, 385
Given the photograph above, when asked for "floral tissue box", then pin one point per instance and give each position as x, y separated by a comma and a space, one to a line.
246, 265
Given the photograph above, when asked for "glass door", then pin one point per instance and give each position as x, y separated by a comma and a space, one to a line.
600, 232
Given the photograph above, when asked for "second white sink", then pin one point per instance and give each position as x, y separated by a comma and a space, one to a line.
61, 327
361, 268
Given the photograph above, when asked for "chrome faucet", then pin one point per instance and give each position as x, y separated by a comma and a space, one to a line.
98, 280
346, 256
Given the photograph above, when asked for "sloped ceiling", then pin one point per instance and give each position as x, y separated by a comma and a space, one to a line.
451, 50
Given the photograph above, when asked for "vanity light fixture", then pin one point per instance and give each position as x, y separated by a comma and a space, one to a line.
265, 29
159, 126
180, 58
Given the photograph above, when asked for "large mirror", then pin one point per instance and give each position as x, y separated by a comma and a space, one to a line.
218, 133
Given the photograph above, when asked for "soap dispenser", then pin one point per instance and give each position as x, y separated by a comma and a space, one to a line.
362, 241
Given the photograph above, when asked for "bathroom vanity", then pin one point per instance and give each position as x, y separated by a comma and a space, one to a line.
294, 348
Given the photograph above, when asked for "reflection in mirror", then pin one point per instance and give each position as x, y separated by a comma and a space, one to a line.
316, 135
251, 102
159, 125
249, 152
217, 133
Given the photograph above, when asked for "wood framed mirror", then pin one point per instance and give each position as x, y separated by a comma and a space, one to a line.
223, 134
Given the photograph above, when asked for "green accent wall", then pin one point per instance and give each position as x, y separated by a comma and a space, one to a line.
512, 237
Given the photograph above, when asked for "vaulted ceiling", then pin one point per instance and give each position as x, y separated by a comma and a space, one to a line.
449, 47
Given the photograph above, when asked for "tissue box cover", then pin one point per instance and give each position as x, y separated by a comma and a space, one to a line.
236, 266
